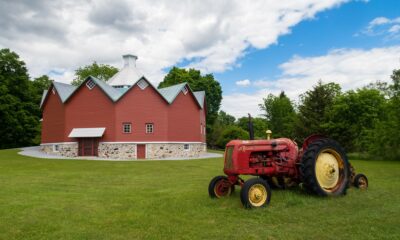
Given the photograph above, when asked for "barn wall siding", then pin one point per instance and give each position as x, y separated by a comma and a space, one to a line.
53, 123
184, 119
90, 109
140, 107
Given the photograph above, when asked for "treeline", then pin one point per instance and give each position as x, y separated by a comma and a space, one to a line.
19, 102
365, 121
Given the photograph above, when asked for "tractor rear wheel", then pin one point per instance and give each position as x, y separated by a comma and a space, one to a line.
360, 181
220, 187
325, 168
255, 193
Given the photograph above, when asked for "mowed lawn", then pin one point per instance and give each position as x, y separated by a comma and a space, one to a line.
79, 199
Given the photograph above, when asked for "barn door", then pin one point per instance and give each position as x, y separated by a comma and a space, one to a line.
141, 151
88, 147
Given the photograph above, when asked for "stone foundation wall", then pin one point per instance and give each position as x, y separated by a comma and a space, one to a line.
117, 150
64, 149
166, 150
128, 150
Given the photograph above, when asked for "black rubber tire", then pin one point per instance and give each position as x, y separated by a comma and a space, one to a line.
211, 187
307, 168
357, 182
275, 182
244, 193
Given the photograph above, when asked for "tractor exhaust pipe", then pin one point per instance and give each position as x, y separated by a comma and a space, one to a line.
251, 130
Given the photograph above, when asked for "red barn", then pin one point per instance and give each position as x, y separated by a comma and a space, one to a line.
127, 117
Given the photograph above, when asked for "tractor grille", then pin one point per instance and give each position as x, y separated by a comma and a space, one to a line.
228, 157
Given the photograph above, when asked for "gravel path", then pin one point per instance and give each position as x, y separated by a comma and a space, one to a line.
35, 152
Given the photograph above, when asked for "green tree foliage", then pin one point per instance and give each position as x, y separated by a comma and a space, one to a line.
198, 82
231, 133
226, 119
223, 120
314, 105
39, 85
260, 125
280, 114
19, 113
101, 71
353, 115
385, 140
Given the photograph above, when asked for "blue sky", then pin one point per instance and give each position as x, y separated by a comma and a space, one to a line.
340, 27
253, 47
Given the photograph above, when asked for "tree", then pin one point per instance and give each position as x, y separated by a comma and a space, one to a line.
198, 82
231, 133
352, 117
385, 140
19, 114
260, 125
101, 71
314, 104
280, 114
40, 84
226, 119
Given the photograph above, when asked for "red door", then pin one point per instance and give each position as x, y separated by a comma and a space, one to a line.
88, 147
141, 151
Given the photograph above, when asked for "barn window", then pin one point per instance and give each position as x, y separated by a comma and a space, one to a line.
185, 90
186, 147
126, 127
56, 148
90, 84
201, 128
149, 128
142, 84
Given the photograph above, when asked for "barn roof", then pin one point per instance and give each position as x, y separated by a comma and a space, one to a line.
200, 96
65, 91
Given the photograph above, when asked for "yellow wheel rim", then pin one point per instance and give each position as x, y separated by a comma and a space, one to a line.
328, 169
257, 195
362, 183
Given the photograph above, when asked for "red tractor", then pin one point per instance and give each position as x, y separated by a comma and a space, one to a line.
321, 166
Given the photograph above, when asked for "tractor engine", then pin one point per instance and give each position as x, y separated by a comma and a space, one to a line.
276, 157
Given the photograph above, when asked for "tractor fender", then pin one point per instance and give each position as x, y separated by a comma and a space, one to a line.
310, 139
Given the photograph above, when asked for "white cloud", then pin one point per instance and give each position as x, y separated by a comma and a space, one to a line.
212, 35
383, 26
394, 29
351, 68
379, 21
243, 83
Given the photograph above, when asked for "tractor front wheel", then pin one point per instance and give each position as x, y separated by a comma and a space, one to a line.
360, 181
255, 193
220, 187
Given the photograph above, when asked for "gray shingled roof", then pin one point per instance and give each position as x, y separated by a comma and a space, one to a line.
44, 94
200, 96
170, 93
65, 91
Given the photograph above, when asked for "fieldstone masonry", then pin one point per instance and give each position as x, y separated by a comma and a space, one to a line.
128, 150
64, 149
117, 150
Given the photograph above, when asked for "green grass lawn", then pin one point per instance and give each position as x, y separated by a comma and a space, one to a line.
78, 199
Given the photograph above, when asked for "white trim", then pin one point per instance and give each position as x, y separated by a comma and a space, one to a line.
56, 146
57, 143
155, 142
188, 147
90, 84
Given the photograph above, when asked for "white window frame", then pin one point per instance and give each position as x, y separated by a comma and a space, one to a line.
126, 124
142, 84
185, 90
148, 127
188, 147
56, 148
90, 84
